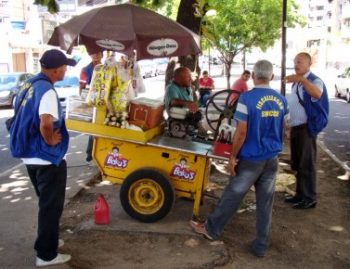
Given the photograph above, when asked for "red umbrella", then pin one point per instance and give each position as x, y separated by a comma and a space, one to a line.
124, 28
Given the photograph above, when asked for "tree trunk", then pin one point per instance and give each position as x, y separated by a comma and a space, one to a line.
228, 74
185, 17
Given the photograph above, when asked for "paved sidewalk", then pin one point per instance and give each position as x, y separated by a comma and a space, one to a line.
18, 207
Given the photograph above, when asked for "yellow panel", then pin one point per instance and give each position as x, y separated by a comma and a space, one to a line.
112, 132
117, 159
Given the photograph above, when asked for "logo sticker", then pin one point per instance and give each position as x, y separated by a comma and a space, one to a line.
182, 171
162, 47
110, 44
115, 160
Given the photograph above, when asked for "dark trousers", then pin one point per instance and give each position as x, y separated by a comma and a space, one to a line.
49, 182
89, 149
303, 155
204, 95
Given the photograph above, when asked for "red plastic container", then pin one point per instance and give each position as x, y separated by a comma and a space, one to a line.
222, 149
101, 211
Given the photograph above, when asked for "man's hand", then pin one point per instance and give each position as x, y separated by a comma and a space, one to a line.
51, 137
293, 78
232, 165
192, 106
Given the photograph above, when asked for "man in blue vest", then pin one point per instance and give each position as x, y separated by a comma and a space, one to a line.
85, 79
308, 116
39, 137
261, 116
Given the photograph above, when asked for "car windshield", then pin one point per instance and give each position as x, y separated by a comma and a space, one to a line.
8, 79
67, 82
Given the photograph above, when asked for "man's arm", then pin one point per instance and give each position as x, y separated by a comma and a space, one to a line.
192, 106
238, 140
51, 137
310, 88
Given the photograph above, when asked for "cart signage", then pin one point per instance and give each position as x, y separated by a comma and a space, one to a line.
115, 160
162, 47
110, 44
182, 171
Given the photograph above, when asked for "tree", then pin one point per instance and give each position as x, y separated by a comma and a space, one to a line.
243, 24
51, 5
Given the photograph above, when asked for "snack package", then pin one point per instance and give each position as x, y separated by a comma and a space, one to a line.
101, 83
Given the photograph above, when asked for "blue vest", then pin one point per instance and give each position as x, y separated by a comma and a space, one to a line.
317, 112
25, 137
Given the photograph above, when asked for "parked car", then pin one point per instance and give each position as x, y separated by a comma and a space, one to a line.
161, 65
342, 85
10, 84
148, 68
65, 88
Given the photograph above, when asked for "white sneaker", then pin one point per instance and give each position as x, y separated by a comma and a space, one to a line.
60, 258
60, 243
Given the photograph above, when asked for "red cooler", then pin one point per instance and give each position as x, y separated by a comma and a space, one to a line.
146, 113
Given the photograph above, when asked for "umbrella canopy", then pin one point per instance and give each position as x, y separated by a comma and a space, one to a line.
124, 28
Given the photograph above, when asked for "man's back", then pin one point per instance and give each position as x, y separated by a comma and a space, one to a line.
264, 110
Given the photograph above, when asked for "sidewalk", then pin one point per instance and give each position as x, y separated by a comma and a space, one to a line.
18, 208
318, 237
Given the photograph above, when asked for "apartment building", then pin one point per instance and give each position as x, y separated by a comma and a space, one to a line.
25, 29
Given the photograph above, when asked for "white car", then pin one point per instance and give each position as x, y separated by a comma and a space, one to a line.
148, 68
65, 88
342, 85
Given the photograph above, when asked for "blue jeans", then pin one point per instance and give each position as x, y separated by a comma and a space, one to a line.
49, 182
261, 174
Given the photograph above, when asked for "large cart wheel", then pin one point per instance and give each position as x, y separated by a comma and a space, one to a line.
221, 105
147, 195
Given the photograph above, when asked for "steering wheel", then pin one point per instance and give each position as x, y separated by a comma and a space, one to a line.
221, 105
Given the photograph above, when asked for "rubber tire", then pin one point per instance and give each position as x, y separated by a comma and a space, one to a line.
160, 179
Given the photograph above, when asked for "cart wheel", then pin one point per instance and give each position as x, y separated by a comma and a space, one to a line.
147, 195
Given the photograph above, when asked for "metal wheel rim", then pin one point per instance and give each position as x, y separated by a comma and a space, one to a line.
146, 196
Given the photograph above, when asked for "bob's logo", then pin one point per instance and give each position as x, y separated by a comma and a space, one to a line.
182, 171
114, 159
162, 47
110, 44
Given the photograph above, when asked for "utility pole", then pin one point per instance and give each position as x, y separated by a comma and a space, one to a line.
284, 34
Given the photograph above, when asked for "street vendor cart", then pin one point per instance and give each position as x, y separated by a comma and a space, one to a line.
152, 168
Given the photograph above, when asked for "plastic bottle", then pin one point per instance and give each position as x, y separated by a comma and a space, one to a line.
101, 211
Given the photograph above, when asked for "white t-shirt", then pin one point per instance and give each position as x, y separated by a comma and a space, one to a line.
48, 105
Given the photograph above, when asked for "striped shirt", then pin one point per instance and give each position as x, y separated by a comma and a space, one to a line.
296, 110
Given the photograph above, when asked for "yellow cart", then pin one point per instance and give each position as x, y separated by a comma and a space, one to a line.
152, 168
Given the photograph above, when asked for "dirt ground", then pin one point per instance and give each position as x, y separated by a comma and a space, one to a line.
314, 238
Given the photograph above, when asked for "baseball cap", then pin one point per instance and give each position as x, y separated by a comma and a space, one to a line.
54, 58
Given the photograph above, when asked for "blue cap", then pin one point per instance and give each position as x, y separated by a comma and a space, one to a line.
54, 58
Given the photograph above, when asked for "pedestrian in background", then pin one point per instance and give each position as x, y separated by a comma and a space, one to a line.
206, 85
261, 115
308, 116
39, 137
240, 85
85, 79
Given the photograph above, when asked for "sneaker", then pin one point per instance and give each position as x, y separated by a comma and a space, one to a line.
199, 228
60, 258
60, 243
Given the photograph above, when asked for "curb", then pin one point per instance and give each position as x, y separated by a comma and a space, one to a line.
334, 158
